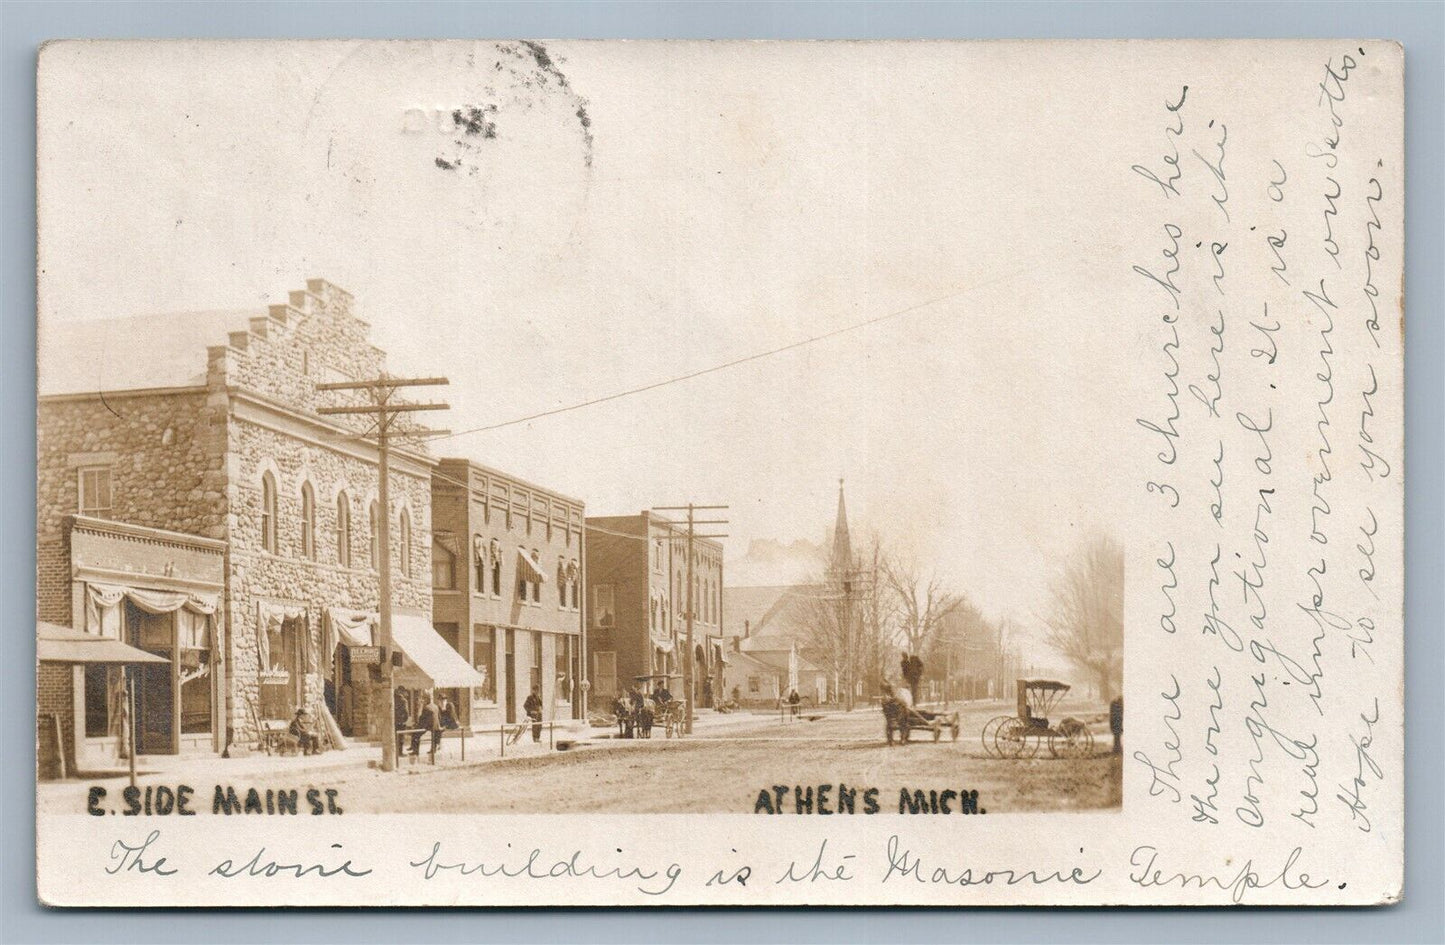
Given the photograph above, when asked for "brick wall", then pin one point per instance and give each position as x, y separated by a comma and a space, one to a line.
54, 691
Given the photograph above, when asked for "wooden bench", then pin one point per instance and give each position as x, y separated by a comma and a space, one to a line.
276, 737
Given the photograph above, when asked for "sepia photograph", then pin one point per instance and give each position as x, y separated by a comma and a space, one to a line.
513, 443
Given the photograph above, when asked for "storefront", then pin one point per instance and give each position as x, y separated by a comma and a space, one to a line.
160, 593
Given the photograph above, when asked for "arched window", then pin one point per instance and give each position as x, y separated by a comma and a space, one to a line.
561, 583
375, 521
406, 545
343, 530
308, 522
268, 512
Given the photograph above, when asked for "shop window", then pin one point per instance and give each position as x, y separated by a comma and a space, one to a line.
95, 495
484, 661
193, 650
343, 530
308, 522
268, 513
564, 657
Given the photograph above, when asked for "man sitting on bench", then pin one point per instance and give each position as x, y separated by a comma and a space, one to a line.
302, 730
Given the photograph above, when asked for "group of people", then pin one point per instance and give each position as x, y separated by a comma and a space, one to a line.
637, 709
431, 716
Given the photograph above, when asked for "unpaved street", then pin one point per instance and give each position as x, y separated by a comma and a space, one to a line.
723, 769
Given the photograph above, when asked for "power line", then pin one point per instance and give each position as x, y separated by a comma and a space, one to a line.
756, 356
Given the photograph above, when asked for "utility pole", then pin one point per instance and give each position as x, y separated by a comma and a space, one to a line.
692, 523
384, 411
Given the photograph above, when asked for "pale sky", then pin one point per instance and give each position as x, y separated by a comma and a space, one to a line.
722, 200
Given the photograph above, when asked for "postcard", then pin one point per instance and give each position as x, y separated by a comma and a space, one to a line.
552, 473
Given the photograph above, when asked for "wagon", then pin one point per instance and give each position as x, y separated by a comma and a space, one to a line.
902, 718
1023, 734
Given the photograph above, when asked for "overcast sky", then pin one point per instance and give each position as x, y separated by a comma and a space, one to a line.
714, 202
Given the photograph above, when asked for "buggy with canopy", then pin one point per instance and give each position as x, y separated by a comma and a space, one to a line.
1021, 735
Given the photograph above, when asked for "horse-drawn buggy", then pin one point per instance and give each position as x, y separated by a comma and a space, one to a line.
650, 704
903, 719
1023, 734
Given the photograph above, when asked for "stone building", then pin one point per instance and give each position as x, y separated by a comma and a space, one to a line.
506, 576
637, 593
192, 502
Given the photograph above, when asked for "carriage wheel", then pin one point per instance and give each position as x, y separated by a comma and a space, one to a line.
990, 733
1075, 742
1011, 739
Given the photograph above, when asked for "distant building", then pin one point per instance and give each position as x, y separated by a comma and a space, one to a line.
637, 598
769, 625
507, 566
192, 503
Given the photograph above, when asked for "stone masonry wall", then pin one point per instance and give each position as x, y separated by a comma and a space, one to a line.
167, 471
312, 339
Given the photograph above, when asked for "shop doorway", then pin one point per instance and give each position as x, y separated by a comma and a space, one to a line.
510, 664
156, 721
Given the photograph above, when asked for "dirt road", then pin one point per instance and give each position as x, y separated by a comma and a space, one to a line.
723, 770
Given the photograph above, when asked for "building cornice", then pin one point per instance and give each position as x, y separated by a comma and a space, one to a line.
272, 415
145, 533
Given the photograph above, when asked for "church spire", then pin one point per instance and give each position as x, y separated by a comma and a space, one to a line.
842, 546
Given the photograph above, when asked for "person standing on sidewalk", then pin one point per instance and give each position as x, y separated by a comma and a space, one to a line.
533, 708
402, 716
428, 720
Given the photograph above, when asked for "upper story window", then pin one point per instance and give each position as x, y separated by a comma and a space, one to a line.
308, 522
95, 497
405, 530
375, 548
343, 530
268, 512
537, 585
561, 583
443, 567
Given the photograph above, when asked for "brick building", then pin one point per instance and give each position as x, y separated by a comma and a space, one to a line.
507, 565
193, 503
637, 593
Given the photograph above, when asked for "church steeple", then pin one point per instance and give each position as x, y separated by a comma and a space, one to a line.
842, 546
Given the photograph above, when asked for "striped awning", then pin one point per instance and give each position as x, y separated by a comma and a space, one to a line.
528, 569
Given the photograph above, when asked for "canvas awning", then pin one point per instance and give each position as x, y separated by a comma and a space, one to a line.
430, 660
57, 644
352, 627
528, 569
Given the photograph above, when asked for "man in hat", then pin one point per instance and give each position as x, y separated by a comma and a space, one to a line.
301, 729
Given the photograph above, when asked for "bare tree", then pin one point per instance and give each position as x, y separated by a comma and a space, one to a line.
844, 624
922, 602
1085, 619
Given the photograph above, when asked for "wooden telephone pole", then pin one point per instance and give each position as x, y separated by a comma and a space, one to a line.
384, 411
692, 523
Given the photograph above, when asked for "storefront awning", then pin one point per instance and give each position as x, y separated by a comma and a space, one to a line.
352, 627
430, 660
528, 569
57, 644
